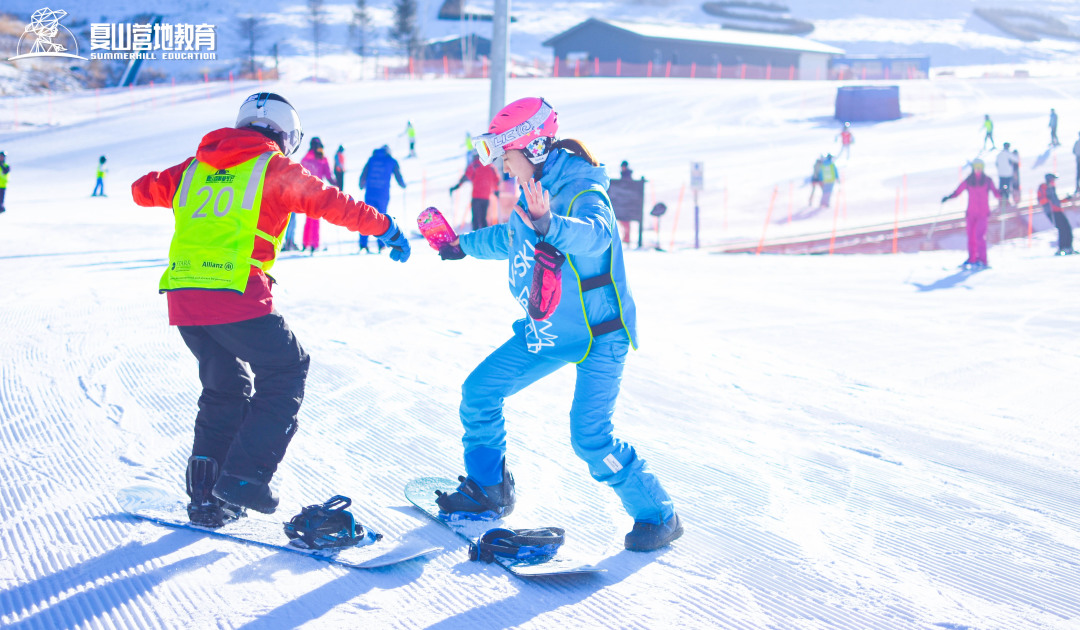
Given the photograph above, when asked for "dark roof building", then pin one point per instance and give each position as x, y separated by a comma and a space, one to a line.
638, 43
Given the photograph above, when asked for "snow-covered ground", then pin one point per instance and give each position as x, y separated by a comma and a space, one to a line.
853, 441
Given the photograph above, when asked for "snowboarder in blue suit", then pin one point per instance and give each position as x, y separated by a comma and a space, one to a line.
375, 182
566, 206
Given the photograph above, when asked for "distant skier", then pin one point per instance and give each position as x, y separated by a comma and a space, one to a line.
829, 177
1016, 178
815, 178
1053, 128
988, 129
1052, 207
1076, 154
1007, 165
565, 211
375, 181
316, 164
485, 183
339, 168
99, 185
846, 138
230, 204
469, 148
978, 186
410, 133
5, 168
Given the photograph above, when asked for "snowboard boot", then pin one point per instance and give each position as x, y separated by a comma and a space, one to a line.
205, 509
473, 502
249, 493
650, 536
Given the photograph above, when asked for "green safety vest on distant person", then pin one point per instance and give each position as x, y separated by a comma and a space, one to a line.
216, 212
101, 172
3, 178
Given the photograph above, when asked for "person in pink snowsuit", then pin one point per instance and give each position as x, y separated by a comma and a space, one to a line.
316, 164
978, 186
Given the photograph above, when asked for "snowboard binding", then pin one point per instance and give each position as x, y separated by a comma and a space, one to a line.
532, 545
327, 526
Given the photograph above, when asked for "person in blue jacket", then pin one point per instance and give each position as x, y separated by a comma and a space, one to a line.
565, 205
375, 182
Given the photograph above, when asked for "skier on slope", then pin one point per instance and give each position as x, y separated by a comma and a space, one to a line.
978, 186
565, 206
219, 296
1048, 199
316, 163
375, 182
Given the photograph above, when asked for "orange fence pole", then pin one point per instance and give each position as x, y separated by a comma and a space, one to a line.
693, 69
905, 194
596, 66
678, 209
896, 221
790, 199
556, 73
768, 217
667, 70
1031, 207
648, 71
719, 69
618, 67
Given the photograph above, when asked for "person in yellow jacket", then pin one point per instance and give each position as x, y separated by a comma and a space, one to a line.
230, 203
99, 187
4, 170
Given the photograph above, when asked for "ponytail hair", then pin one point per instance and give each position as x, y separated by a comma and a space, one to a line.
572, 146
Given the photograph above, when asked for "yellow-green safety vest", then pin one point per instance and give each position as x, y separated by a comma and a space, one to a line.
3, 178
101, 172
216, 213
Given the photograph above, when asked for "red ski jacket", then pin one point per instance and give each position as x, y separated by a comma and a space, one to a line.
287, 187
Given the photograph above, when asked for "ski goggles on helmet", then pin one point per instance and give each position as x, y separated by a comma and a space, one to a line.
490, 146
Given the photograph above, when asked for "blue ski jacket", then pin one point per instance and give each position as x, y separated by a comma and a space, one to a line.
595, 297
379, 169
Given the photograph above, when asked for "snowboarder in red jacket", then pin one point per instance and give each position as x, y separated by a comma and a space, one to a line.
251, 366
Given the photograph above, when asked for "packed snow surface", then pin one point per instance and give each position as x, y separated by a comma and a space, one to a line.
852, 441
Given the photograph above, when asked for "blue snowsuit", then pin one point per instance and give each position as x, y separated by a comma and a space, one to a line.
594, 328
375, 180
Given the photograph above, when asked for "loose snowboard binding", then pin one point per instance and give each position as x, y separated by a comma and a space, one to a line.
327, 526
532, 545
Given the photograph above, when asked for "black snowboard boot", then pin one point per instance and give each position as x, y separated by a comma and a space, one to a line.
205, 509
249, 493
650, 536
473, 502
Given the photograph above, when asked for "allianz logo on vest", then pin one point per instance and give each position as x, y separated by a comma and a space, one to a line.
213, 265
223, 176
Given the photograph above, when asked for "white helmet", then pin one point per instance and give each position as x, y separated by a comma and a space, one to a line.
273, 112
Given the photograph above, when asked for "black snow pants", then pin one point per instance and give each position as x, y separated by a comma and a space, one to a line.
479, 213
246, 432
1064, 231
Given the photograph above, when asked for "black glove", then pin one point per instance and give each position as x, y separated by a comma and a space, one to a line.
396, 241
450, 252
944, 199
452, 189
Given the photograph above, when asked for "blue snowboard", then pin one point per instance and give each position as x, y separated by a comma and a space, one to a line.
421, 493
162, 507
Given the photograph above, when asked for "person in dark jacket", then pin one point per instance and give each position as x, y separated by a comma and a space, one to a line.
1052, 207
230, 203
375, 182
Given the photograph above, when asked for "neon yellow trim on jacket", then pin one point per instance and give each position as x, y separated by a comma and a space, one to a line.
216, 214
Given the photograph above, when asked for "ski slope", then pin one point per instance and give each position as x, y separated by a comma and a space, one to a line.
853, 441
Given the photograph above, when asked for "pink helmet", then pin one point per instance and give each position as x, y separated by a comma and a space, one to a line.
528, 124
